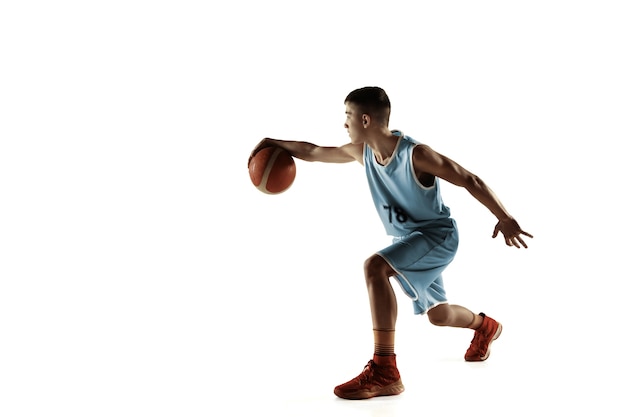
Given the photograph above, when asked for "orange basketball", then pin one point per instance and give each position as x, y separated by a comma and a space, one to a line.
272, 170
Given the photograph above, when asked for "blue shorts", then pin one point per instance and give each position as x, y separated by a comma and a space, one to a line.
419, 258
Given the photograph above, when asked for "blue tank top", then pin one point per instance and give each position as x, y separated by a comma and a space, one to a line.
403, 204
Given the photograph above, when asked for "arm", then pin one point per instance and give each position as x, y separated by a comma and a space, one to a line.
314, 153
426, 160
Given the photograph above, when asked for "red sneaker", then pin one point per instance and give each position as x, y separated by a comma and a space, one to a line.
379, 377
483, 337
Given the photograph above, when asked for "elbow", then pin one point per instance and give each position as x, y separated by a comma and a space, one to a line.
474, 182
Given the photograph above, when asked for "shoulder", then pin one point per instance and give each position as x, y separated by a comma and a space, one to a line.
425, 158
421, 150
405, 140
354, 150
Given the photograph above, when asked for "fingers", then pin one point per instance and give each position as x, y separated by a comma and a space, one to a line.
256, 149
520, 240
516, 240
526, 234
511, 238
512, 242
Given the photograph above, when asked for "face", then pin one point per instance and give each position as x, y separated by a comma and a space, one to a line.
356, 122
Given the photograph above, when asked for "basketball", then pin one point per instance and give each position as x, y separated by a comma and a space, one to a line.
272, 170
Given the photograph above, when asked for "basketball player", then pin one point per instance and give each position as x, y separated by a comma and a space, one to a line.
403, 176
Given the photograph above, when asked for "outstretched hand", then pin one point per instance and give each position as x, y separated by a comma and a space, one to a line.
512, 233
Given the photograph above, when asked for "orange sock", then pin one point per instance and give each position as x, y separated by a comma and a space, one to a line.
384, 342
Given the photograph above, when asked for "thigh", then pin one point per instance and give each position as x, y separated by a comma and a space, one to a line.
421, 252
418, 261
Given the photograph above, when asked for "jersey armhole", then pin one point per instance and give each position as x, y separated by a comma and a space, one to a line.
417, 181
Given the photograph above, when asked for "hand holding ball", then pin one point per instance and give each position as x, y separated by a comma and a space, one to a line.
272, 170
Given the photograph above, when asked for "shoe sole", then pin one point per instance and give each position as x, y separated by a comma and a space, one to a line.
391, 389
495, 336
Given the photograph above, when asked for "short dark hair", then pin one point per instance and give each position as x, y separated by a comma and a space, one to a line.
373, 101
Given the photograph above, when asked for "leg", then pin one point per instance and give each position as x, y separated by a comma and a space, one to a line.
454, 316
383, 304
486, 329
380, 376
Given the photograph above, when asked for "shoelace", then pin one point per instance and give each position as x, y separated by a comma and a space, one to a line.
368, 372
477, 343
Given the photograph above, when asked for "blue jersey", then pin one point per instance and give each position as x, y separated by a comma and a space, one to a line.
403, 204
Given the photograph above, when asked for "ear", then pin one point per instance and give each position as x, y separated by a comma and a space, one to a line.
366, 120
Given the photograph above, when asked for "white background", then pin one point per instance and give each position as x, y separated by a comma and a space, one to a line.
142, 274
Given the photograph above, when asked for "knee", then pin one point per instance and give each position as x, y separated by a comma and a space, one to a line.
440, 315
375, 268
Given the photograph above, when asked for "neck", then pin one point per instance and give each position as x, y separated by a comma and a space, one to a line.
383, 145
